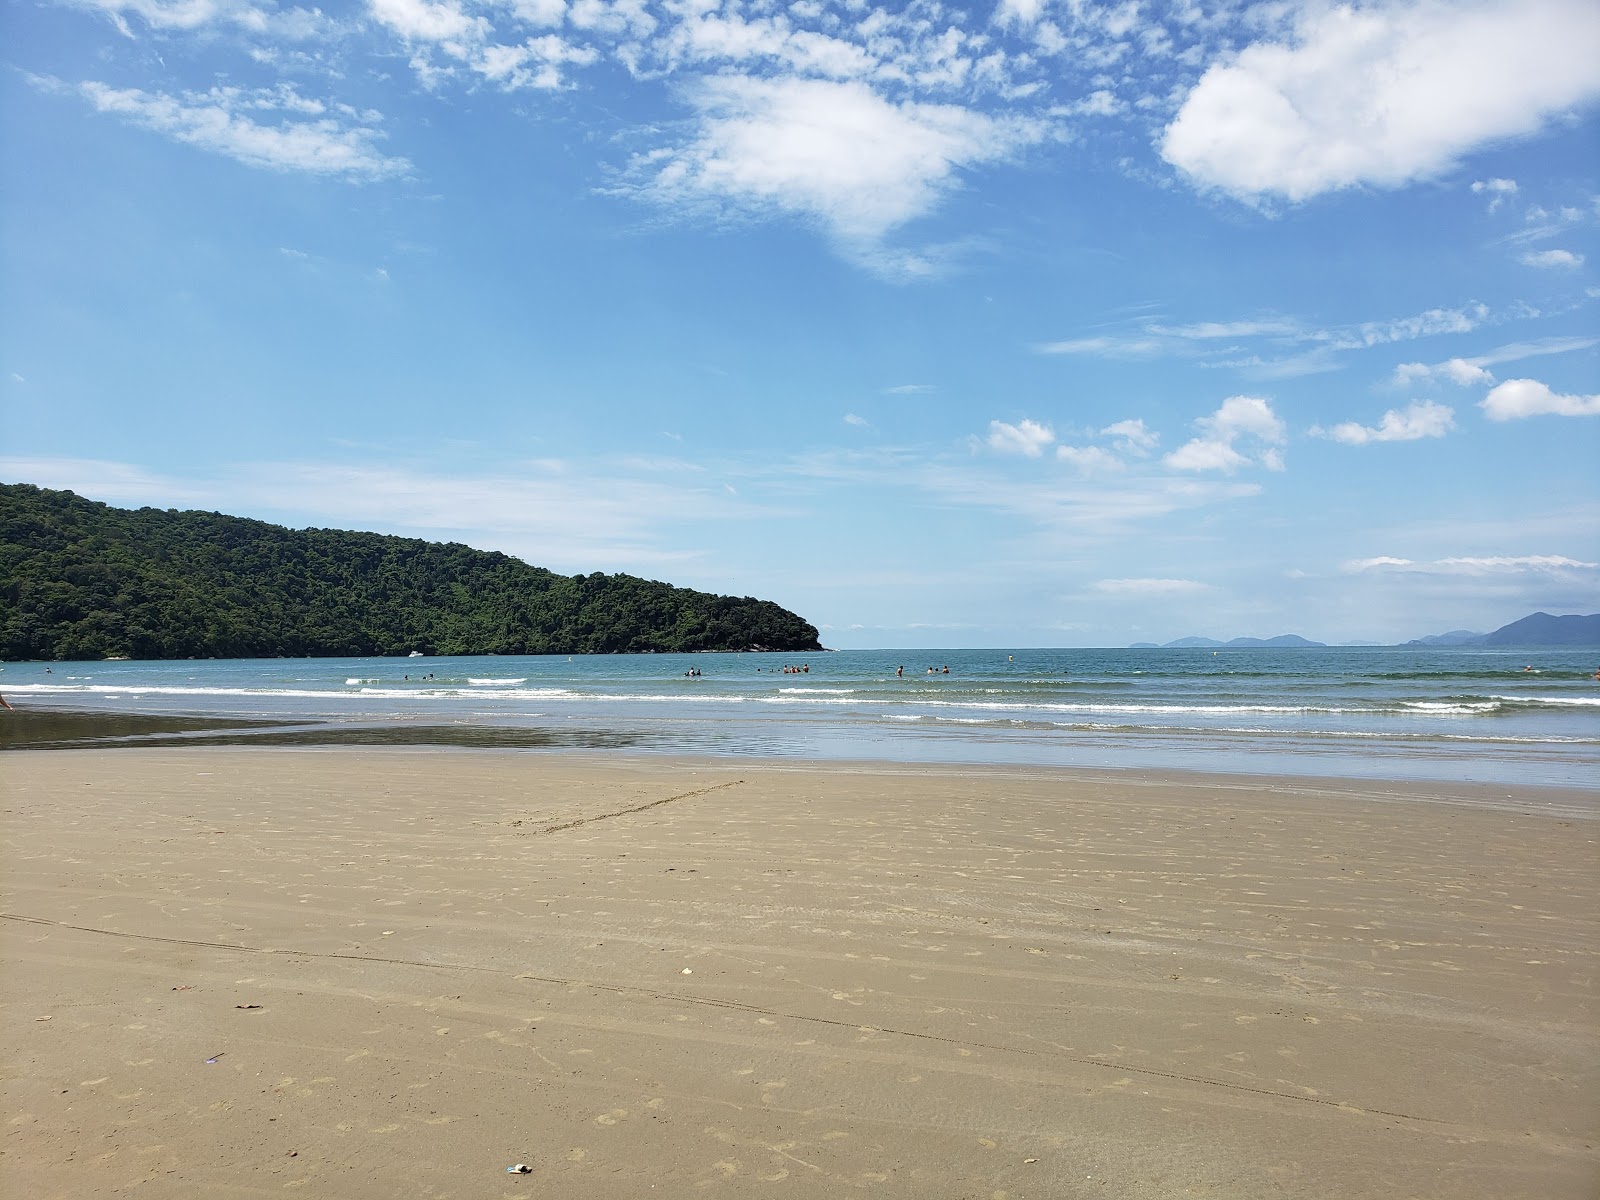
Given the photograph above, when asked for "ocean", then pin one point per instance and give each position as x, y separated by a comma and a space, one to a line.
1471, 714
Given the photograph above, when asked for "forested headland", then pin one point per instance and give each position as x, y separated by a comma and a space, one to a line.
84, 580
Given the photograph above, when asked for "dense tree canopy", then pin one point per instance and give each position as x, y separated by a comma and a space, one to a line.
83, 580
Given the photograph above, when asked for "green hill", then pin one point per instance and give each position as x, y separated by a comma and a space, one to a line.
83, 580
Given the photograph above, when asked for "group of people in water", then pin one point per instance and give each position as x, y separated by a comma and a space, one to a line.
899, 672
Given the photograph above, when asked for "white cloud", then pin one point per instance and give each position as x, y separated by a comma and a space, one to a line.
1111, 347
188, 15
1247, 418
1423, 419
1518, 398
1089, 458
1150, 587
909, 389
1132, 436
1431, 323
1551, 258
1369, 564
1475, 565
1383, 94
1498, 191
1028, 438
1525, 562
1207, 330
308, 135
853, 419
423, 21
1464, 372
1517, 351
834, 152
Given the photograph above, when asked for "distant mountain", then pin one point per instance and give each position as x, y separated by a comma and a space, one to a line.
1456, 637
1283, 639
1541, 629
1241, 643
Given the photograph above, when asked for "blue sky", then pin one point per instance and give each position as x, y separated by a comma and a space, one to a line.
1036, 323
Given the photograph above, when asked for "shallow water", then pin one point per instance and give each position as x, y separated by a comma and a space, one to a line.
1526, 716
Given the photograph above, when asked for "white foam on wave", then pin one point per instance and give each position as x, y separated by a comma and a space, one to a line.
1558, 701
820, 691
492, 682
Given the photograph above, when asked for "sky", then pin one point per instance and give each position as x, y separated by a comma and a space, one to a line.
1035, 323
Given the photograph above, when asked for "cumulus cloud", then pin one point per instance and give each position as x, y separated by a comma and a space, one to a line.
1028, 438
1518, 398
1461, 371
274, 128
1498, 191
1551, 258
1423, 419
1247, 419
1383, 94
837, 153
1131, 439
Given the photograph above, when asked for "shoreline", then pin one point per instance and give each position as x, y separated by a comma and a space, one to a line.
1190, 755
725, 976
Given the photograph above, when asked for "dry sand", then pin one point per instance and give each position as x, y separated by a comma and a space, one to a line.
395, 973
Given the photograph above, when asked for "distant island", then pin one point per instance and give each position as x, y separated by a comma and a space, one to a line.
84, 580
1539, 629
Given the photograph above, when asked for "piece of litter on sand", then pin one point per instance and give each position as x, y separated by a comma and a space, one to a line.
44, 1018
688, 970
213, 1059
1029, 1160
519, 1169
247, 1006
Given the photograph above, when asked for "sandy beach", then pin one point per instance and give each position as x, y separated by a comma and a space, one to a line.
240, 972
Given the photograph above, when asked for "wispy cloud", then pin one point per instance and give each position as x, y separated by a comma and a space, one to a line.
1276, 347
1466, 372
1150, 587
1473, 565
276, 128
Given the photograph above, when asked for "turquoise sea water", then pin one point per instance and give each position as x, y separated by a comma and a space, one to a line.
1450, 713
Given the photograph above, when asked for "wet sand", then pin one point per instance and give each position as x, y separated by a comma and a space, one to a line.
375, 973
